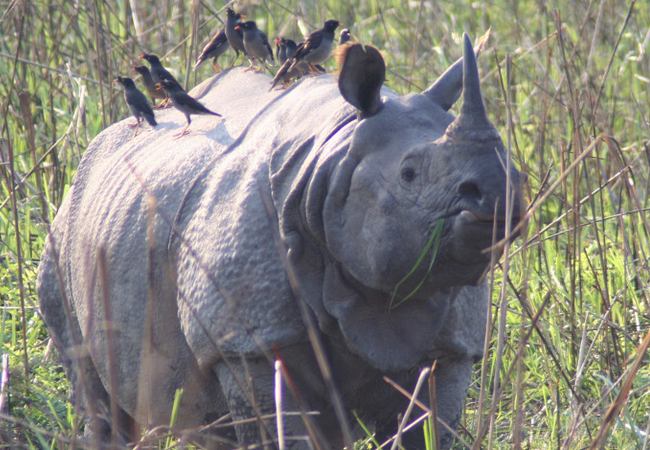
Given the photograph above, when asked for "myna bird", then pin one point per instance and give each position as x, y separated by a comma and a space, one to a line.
137, 102
317, 47
280, 50
284, 49
213, 49
288, 71
158, 72
184, 103
234, 34
256, 43
149, 84
345, 36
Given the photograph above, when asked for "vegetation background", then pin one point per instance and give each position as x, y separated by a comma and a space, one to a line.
566, 83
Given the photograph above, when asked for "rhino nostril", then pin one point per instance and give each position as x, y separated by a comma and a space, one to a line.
469, 191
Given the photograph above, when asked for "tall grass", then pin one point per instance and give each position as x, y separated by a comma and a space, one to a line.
566, 83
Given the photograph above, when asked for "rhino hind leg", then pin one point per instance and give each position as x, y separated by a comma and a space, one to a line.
87, 391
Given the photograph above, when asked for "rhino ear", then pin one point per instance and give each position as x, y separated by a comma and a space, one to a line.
362, 73
447, 88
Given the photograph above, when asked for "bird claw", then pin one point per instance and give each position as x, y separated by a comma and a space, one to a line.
134, 125
182, 133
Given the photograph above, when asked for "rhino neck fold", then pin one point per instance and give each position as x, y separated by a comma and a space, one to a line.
389, 340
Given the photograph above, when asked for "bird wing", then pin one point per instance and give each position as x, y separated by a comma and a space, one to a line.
185, 101
313, 41
282, 71
291, 48
136, 99
160, 73
217, 41
265, 42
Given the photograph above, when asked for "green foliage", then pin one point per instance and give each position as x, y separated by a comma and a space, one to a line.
571, 310
432, 246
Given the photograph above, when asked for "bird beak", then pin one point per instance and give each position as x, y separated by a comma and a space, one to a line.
142, 55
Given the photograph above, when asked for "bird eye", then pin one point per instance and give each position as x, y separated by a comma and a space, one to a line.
408, 174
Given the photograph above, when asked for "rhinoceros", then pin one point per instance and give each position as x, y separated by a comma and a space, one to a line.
333, 215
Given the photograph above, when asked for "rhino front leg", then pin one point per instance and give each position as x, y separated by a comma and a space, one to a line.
248, 385
452, 379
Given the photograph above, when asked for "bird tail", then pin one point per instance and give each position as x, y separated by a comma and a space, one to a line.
282, 71
214, 113
151, 120
199, 61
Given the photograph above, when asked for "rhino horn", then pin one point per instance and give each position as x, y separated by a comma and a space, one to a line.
472, 123
472, 99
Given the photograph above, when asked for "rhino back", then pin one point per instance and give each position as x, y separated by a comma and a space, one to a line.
124, 201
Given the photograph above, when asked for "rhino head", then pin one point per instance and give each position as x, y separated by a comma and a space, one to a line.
406, 173
411, 166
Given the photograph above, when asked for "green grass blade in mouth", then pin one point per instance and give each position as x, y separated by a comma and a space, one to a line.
433, 245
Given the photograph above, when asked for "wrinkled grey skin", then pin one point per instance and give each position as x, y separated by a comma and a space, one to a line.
174, 240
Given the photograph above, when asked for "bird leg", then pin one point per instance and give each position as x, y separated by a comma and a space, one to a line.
166, 103
234, 60
216, 66
184, 131
252, 65
266, 67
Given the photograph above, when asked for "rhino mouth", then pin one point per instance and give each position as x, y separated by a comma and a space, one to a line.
482, 233
476, 219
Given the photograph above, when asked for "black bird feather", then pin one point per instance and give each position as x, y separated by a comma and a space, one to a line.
149, 84
137, 102
184, 103
158, 71
213, 49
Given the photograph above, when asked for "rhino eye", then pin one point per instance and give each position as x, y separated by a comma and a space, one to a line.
408, 174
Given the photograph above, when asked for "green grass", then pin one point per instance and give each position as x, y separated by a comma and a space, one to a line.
566, 83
